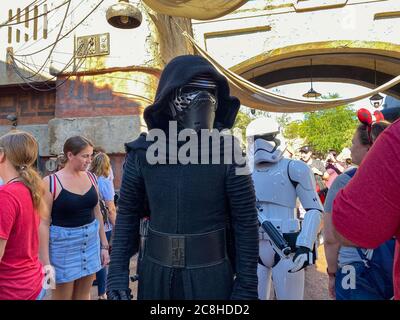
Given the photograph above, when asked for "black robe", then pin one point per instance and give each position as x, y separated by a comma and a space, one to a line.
186, 199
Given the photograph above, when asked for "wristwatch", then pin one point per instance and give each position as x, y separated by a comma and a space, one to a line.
331, 274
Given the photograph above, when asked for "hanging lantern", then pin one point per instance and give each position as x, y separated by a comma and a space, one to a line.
124, 15
376, 100
311, 93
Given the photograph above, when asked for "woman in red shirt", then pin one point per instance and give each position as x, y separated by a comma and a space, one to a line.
21, 273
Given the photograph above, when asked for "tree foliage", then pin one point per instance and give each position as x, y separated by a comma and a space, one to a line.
241, 122
325, 129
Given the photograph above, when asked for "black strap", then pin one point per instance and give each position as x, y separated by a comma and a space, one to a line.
363, 257
59, 181
51, 187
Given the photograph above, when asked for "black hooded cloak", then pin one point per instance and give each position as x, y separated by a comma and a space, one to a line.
186, 199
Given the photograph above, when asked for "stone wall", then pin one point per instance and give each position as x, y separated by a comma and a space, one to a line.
111, 133
39, 131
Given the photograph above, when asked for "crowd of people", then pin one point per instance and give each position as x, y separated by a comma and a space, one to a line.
55, 232
325, 168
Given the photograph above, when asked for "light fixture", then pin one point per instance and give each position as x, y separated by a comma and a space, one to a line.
124, 15
311, 93
376, 100
52, 70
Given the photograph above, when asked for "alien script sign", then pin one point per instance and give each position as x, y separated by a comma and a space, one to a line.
92, 45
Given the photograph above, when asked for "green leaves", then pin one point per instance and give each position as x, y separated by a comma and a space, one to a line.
241, 122
325, 129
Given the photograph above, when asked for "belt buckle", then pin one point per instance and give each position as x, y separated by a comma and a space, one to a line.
178, 251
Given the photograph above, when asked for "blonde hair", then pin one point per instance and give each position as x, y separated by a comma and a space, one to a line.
21, 150
100, 165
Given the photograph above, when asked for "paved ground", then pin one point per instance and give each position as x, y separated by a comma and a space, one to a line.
316, 287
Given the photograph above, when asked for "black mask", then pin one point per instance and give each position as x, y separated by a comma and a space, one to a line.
194, 108
199, 114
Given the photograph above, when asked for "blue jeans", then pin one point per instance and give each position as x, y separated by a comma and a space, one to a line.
363, 290
42, 294
101, 276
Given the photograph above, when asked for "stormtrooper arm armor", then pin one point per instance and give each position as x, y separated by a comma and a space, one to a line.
303, 179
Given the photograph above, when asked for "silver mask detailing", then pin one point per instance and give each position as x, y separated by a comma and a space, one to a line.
184, 95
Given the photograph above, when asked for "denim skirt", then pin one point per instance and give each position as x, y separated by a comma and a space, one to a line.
74, 252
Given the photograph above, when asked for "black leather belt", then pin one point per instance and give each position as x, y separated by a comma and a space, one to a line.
186, 250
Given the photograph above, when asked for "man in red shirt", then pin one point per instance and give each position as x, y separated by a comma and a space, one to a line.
366, 213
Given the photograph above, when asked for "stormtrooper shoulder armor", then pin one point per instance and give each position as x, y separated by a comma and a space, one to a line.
300, 173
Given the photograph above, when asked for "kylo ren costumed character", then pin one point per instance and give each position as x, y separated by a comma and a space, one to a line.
186, 249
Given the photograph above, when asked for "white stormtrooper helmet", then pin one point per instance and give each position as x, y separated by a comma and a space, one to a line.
265, 141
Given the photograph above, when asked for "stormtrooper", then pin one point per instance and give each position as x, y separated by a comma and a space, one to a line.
286, 246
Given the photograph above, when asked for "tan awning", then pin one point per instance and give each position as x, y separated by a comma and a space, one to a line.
254, 96
195, 9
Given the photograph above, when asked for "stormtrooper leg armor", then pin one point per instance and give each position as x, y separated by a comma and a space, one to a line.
287, 286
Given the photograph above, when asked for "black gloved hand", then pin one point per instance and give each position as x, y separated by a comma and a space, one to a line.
119, 295
302, 258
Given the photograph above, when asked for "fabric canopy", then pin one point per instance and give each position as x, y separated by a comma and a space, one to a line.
195, 9
256, 97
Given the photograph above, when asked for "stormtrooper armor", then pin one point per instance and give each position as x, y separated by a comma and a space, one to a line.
286, 245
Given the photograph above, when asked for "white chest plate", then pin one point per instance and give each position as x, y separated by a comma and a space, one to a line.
272, 184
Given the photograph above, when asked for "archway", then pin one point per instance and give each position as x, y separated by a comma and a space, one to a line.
333, 61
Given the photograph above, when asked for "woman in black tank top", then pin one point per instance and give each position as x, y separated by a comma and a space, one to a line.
73, 210
76, 245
